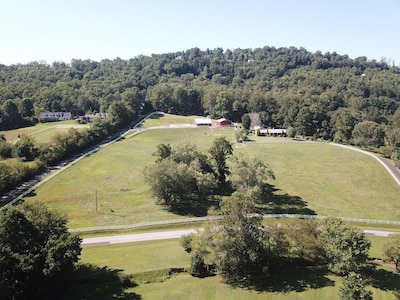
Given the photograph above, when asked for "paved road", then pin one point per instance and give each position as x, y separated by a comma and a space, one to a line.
129, 238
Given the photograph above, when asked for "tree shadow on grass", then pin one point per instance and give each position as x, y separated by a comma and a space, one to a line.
93, 282
199, 210
295, 280
283, 203
383, 279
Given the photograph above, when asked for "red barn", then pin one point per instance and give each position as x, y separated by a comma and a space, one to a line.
224, 122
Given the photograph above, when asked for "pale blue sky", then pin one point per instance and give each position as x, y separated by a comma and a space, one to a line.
59, 30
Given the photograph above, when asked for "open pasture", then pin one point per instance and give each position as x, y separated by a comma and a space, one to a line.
116, 173
167, 119
41, 132
331, 180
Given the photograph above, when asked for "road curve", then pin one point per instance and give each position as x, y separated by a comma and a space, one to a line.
163, 235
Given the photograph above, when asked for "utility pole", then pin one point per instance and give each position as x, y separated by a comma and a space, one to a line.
97, 211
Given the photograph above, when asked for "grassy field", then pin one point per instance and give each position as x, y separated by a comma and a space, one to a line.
330, 180
167, 119
138, 259
41, 132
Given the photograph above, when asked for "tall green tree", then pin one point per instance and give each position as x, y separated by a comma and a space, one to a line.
250, 176
345, 247
220, 151
391, 250
236, 245
37, 253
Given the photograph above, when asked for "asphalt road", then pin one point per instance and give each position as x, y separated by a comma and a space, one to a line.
130, 238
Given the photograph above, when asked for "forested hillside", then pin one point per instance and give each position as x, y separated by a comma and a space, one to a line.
328, 96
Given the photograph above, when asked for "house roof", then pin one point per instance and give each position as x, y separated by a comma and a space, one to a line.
223, 119
203, 121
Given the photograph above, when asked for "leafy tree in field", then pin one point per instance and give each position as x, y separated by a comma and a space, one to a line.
171, 183
346, 248
236, 246
246, 121
241, 134
182, 176
249, 176
25, 148
391, 249
354, 288
37, 254
163, 151
304, 243
220, 151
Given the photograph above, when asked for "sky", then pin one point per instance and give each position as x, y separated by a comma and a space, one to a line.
61, 30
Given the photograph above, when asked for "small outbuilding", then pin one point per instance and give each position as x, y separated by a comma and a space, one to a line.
203, 122
223, 122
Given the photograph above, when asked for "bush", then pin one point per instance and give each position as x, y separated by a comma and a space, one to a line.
197, 266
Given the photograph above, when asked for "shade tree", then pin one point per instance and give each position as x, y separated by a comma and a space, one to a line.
346, 248
38, 254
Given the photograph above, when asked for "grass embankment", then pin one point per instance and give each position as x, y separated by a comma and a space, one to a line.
329, 180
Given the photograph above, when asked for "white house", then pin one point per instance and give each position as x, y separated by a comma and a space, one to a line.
51, 116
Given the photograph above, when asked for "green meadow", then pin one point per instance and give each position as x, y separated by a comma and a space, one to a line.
145, 263
330, 180
41, 132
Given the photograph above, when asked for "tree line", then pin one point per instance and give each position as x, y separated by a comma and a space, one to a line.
322, 95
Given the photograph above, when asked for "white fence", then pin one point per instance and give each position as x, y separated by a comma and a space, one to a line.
202, 219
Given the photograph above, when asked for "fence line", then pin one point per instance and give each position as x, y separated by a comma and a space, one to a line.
200, 219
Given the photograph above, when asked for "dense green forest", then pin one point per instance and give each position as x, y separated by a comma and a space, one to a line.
320, 96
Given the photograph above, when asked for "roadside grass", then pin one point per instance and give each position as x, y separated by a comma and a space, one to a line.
327, 180
12, 135
150, 267
139, 257
376, 245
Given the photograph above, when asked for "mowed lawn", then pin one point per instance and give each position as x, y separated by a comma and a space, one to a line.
116, 173
136, 258
41, 132
332, 181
